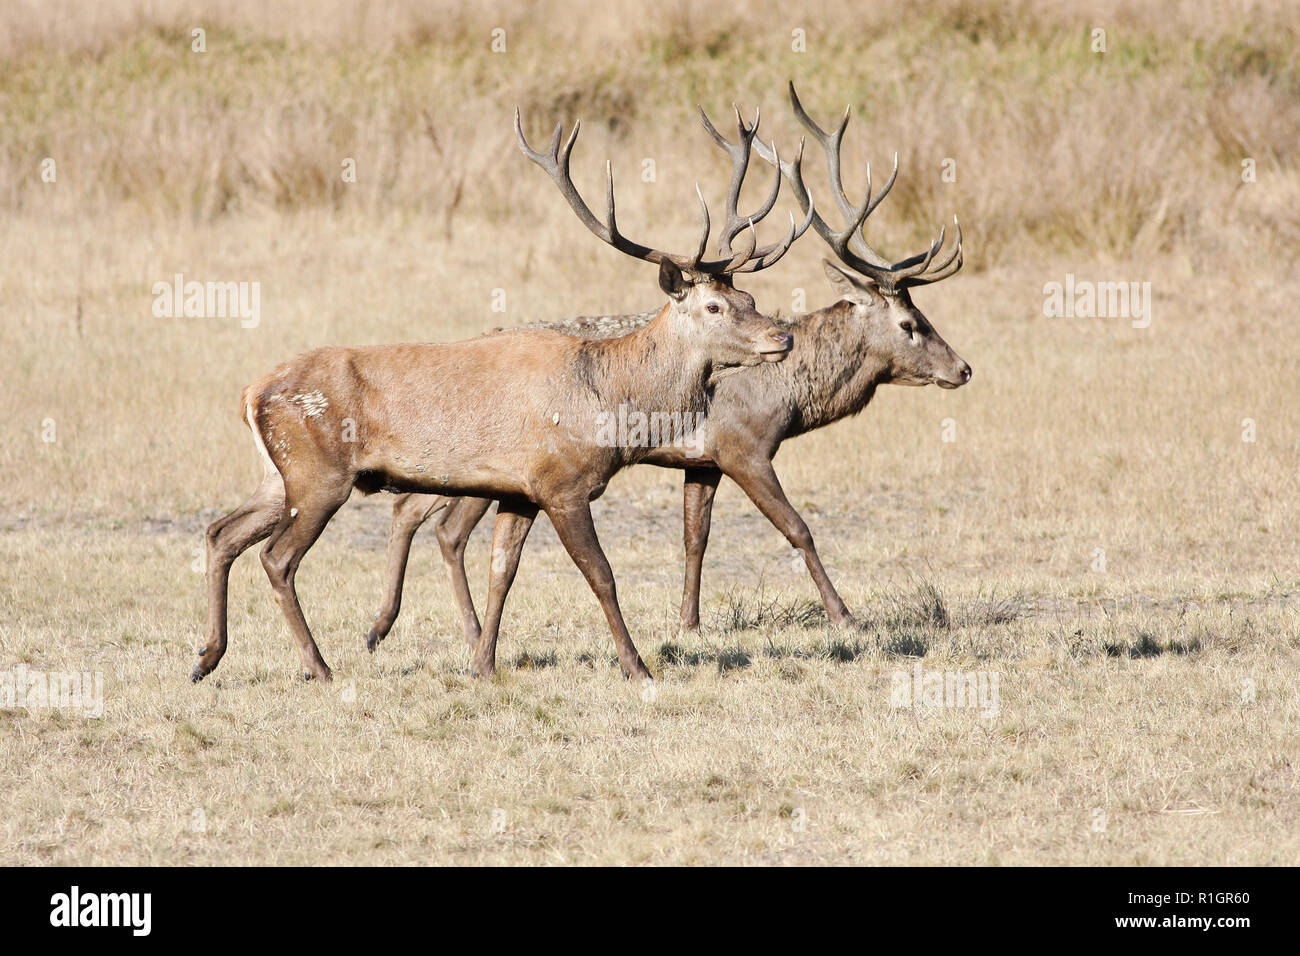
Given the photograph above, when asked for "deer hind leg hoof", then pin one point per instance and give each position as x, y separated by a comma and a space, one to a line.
372, 641
209, 657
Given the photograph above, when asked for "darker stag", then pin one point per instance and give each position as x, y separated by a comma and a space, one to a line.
874, 335
509, 417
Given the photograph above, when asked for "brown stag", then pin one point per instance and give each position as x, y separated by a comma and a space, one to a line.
509, 417
874, 335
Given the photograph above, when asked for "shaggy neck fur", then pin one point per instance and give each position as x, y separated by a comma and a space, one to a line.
832, 372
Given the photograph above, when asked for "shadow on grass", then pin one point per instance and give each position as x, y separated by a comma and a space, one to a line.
839, 650
1146, 645
530, 661
727, 658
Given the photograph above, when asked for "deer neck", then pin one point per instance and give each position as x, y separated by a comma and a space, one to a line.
648, 370
832, 372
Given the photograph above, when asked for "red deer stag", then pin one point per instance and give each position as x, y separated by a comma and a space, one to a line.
509, 416
874, 335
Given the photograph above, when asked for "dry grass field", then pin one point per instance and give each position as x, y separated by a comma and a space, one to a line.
1105, 520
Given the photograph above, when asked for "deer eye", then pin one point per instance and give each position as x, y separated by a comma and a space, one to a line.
907, 327
713, 307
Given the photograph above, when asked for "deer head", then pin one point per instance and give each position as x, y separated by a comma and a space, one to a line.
705, 310
873, 286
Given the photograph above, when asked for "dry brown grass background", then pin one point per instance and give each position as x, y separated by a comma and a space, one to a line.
1122, 691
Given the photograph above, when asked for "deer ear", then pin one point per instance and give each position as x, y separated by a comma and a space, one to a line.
672, 281
850, 285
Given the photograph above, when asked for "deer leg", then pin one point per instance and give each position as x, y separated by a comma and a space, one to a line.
697, 512
453, 530
299, 527
409, 512
759, 481
514, 519
578, 534
227, 539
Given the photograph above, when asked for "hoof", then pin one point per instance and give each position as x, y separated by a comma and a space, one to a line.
641, 674
372, 641
197, 674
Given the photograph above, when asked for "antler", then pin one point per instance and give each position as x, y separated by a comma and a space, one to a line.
555, 161
850, 244
753, 259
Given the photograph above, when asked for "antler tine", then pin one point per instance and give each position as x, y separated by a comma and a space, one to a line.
838, 241
748, 245
739, 153
915, 265
943, 270
771, 255
556, 164
704, 233
830, 143
851, 244
864, 248
864, 259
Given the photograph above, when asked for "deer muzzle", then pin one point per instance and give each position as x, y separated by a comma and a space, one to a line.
776, 346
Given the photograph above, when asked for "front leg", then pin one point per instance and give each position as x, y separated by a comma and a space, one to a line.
572, 521
759, 481
697, 512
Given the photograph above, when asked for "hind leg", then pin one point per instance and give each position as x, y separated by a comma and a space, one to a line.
227, 539
308, 511
409, 512
453, 530
514, 519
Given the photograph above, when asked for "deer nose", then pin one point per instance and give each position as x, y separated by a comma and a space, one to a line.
965, 374
783, 339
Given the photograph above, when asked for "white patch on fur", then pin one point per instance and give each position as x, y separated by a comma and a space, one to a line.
313, 403
268, 466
